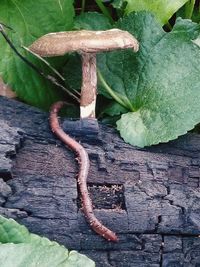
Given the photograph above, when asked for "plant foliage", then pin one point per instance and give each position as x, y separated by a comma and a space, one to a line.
20, 248
30, 20
158, 86
162, 9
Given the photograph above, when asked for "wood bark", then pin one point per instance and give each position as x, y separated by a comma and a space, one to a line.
150, 197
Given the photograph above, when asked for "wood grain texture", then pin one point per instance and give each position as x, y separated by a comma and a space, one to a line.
159, 222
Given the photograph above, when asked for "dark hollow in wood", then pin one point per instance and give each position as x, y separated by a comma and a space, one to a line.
110, 196
161, 223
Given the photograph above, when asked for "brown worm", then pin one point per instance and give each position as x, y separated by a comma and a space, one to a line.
84, 164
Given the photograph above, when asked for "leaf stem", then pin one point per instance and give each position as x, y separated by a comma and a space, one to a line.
104, 10
126, 104
169, 26
45, 62
83, 6
51, 68
189, 8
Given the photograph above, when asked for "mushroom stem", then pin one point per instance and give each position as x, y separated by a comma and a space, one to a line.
89, 86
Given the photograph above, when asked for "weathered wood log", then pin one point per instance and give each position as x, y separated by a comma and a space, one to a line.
149, 197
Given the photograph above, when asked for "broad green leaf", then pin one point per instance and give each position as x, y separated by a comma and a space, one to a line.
159, 84
184, 13
162, 9
20, 248
114, 109
91, 21
30, 20
31, 255
196, 15
12, 232
73, 72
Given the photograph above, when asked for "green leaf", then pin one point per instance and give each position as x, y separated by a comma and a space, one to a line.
161, 81
196, 16
91, 21
31, 255
20, 248
114, 109
183, 13
162, 9
30, 20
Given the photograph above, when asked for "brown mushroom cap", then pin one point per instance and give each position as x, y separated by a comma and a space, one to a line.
60, 43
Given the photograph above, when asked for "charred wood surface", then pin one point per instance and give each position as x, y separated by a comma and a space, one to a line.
149, 197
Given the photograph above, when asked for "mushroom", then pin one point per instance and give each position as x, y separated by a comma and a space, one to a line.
87, 43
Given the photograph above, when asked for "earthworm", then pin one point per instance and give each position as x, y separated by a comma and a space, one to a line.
84, 165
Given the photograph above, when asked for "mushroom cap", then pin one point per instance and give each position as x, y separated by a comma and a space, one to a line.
60, 43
